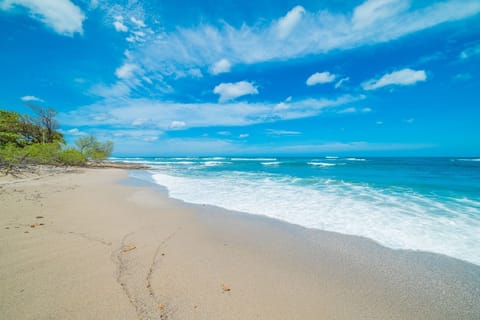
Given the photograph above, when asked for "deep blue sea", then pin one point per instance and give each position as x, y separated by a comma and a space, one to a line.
428, 204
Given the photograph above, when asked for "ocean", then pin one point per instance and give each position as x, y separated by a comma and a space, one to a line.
427, 204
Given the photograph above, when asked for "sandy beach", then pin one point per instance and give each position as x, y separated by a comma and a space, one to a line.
95, 244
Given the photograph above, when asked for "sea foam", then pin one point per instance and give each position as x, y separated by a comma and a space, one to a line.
400, 219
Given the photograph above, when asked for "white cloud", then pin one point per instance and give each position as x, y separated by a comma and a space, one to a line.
355, 110
287, 23
281, 106
231, 91
126, 71
76, 132
320, 77
119, 25
124, 113
203, 46
139, 23
221, 66
470, 52
195, 72
348, 110
404, 77
150, 138
463, 77
63, 16
178, 124
140, 122
31, 98
374, 11
274, 132
341, 82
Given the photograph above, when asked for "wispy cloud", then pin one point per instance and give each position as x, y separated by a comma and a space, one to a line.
470, 52
231, 91
286, 25
404, 77
355, 110
132, 113
320, 77
341, 82
273, 132
63, 16
31, 98
294, 35
177, 124
126, 71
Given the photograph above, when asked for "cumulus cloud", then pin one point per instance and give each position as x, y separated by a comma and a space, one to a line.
320, 77
119, 25
231, 91
221, 66
139, 23
63, 16
31, 98
404, 77
287, 23
178, 124
126, 71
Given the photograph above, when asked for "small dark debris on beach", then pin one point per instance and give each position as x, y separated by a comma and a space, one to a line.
226, 288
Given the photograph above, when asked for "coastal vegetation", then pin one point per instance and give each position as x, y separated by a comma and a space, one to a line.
35, 139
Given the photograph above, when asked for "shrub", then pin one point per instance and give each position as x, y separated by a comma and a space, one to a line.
11, 153
39, 153
71, 157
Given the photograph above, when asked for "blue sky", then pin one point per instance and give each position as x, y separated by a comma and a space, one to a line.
375, 77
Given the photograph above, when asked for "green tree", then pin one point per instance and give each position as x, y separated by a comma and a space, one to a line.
93, 149
11, 128
43, 127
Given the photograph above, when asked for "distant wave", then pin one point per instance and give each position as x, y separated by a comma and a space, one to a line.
321, 164
253, 159
274, 163
473, 159
214, 163
185, 158
331, 157
355, 159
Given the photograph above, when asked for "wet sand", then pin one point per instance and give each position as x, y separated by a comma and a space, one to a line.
84, 245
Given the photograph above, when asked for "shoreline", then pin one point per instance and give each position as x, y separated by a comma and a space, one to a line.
133, 252
132, 181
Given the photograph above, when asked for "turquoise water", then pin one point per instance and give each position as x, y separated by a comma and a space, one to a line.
428, 204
